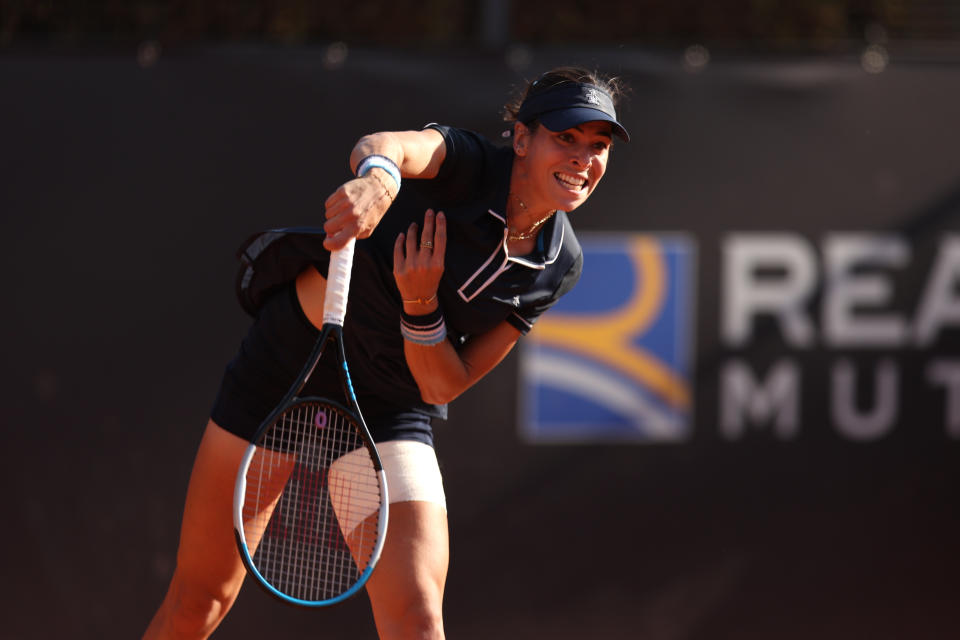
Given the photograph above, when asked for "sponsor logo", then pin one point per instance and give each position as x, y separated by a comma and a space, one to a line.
612, 360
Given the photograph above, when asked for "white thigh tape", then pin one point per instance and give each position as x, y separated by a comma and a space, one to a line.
412, 474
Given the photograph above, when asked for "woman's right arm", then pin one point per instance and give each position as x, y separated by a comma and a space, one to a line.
355, 209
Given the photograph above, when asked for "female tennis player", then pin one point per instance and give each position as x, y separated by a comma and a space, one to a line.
450, 271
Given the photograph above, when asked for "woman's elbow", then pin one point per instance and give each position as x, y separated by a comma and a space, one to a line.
440, 391
438, 396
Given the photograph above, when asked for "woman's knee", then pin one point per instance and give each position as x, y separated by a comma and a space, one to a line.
406, 588
209, 571
195, 608
421, 619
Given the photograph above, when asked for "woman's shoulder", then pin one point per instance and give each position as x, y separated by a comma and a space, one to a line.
464, 143
473, 166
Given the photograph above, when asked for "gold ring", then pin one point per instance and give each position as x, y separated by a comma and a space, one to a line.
427, 244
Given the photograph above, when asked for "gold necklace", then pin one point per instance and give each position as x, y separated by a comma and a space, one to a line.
532, 229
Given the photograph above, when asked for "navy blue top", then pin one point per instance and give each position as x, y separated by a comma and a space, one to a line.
481, 287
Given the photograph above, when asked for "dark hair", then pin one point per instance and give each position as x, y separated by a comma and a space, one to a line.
610, 84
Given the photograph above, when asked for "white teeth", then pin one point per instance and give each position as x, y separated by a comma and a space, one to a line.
575, 182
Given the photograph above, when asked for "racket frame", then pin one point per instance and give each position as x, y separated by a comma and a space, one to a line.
332, 331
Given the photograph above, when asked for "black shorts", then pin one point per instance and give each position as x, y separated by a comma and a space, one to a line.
269, 360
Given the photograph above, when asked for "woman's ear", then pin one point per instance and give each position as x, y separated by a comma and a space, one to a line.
521, 138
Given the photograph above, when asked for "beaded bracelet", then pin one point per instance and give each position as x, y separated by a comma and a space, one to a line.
428, 329
386, 191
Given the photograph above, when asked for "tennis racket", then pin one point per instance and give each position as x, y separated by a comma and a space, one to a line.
310, 502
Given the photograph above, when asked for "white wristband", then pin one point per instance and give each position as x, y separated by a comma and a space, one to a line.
381, 162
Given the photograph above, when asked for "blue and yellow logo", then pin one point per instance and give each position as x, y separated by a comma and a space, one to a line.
612, 360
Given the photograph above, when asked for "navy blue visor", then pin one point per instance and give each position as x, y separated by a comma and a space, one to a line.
568, 104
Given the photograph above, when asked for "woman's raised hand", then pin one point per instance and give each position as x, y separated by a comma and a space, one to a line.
418, 262
355, 209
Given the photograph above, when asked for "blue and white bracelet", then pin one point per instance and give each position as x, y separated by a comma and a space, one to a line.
380, 162
426, 330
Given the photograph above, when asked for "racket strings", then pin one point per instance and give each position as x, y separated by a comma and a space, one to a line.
312, 503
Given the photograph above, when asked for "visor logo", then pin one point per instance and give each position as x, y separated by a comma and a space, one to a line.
592, 96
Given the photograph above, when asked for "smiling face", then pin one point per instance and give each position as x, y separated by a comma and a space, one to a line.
560, 169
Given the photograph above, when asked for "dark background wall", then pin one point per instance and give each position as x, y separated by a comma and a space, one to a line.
130, 174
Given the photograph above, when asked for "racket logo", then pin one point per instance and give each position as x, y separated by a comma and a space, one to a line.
321, 420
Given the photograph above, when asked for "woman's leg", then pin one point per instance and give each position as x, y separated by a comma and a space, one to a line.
209, 571
406, 588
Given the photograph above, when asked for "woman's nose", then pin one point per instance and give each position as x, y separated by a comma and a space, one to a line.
581, 155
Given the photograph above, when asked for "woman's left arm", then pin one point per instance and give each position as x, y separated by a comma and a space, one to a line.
442, 372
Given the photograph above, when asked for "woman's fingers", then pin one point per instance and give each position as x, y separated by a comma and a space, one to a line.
398, 254
412, 241
333, 201
338, 231
418, 257
439, 240
340, 224
353, 211
429, 249
426, 239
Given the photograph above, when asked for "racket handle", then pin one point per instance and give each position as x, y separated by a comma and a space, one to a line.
338, 284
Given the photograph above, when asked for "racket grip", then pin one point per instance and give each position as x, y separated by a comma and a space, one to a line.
338, 284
